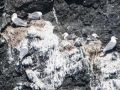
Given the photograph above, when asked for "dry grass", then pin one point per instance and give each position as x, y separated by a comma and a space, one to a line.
93, 49
38, 23
14, 35
66, 45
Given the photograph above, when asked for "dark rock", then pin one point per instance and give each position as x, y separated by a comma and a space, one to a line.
3, 21
114, 56
49, 17
80, 78
31, 5
68, 81
3, 45
88, 2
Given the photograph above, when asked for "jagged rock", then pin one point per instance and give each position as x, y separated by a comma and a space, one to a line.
3, 21
115, 56
32, 76
3, 45
29, 6
52, 59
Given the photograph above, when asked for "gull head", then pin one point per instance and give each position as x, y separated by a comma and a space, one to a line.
14, 15
113, 38
65, 35
40, 14
95, 35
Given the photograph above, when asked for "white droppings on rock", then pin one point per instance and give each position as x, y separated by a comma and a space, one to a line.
65, 62
56, 19
52, 41
59, 58
27, 61
32, 76
108, 72
31, 32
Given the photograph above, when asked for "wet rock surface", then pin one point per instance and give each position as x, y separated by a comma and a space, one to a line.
79, 17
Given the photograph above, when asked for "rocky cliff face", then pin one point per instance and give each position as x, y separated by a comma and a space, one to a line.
51, 62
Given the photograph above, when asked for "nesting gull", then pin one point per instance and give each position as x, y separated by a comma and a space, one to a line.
92, 37
110, 45
69, 37
35, 15
17, 21
84, 32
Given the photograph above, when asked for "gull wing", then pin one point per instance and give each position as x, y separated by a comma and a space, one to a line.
19, 22
34, 15
109, 46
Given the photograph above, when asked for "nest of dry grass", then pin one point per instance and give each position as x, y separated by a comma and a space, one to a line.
93, 48
14, 35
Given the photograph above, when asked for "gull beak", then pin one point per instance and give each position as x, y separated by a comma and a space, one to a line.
98, 37
116, 38
12, 15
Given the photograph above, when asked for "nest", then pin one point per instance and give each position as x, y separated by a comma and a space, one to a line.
93, 48
66, 45
14, 35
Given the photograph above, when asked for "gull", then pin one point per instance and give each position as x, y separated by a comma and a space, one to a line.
35, 15
112, 43
69, 37
17, 21
93, 37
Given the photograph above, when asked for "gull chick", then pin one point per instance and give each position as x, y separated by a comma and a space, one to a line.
35, 15
17, 21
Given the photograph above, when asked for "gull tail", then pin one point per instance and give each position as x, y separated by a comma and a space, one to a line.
26, 24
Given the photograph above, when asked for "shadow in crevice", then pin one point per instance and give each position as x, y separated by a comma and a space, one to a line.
77, 2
